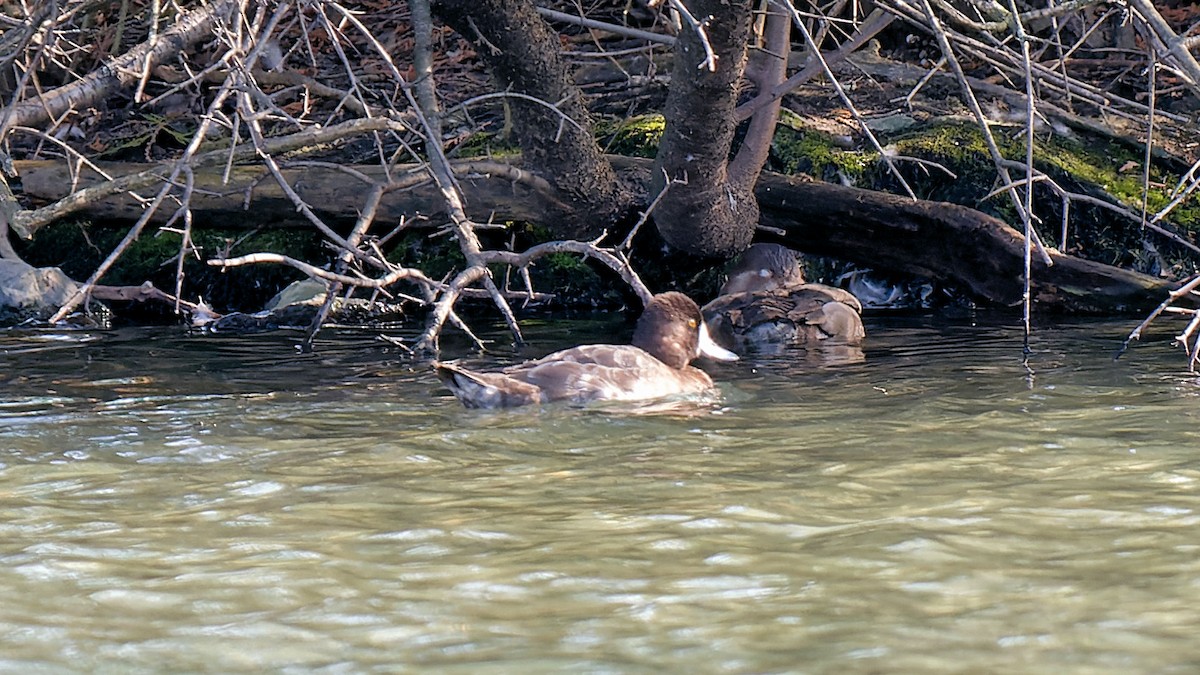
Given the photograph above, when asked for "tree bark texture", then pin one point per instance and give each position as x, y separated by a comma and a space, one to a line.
714, 213
247, 200
956, 245
523, 53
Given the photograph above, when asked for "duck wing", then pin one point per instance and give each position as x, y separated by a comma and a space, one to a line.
607, 372
804, 315
833, 293
839, 322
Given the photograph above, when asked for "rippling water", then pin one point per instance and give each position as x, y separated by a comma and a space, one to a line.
184, 504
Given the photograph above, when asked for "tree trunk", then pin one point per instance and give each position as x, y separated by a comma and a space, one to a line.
713, 214
523, 53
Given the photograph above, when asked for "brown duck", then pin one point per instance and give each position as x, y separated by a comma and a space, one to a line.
669, 335
767, 305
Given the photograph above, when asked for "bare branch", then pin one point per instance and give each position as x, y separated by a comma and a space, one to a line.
699, 27
815, 50
1170, 45
121, 72
874, 23
626, 31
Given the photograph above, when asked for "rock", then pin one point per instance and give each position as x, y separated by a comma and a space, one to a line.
308, 291
297, 305
29, 293
891, 124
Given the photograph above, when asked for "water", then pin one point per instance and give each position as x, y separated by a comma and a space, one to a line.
203, 504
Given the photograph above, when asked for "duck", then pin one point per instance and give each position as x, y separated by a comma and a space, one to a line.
766, 305
669, 335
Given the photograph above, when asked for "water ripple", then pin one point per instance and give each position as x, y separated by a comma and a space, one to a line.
234, 506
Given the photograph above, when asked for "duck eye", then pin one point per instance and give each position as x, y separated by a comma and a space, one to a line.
692, 323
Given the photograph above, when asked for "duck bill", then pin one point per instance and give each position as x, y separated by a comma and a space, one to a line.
713, 350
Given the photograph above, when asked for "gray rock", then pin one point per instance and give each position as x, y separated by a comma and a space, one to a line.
24, 286
29, 293
308, 291
891, 124
296, 306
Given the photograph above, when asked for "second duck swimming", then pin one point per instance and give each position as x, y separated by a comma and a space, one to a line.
766, 305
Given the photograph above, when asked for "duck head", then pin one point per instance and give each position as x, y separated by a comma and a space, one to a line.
763, 267
672, 330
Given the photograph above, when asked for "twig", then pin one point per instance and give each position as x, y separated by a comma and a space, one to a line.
1172, 297
185, 240
524, 97
427, 342
815, 50
1151, 87
142, 293
397, 274
1174, 48
587, 249
982, 122
625, 245
1027, 212
766, 69
1188, 184
361, 225
874, 23
422, 26
443, 177
615, 29
710, 58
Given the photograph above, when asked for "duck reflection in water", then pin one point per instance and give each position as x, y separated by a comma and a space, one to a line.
669, 335
766, 306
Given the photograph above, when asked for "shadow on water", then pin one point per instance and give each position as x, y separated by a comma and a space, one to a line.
198, 503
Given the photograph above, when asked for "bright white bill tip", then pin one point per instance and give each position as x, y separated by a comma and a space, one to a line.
713, 350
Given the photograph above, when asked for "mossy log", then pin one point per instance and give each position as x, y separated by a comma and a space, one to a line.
953, 244
250, 197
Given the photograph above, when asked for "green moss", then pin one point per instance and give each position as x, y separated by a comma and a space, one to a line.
961, 148
1081, 165
569, 275
485, 145
957, 143
574, 279
1101, 164
814, 153
633, 137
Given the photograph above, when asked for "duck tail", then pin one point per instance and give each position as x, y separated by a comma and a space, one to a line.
839, 322
486, 390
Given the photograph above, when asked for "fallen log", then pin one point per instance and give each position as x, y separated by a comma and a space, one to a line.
333, 192
955, 245
949, 243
